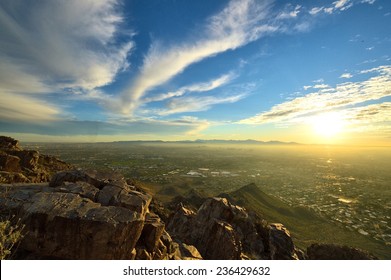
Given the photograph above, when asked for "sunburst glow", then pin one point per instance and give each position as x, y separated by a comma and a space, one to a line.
328, 124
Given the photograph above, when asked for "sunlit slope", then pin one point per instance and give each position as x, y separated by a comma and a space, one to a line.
305, 225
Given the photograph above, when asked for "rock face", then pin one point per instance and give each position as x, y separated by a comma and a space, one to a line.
280, 243
220, 230
81, 216
23, 166
337, 252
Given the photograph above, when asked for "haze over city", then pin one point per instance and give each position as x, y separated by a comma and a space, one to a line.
312, 72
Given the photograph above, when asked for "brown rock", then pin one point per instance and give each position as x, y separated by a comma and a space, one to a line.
9, 144
74, 176
83, 189
12, 177
280, 243
152, 232
24, 165
66, 226
9, 163
337, 252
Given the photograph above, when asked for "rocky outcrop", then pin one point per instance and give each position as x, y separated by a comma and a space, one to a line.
280, 243
24, 166
221, 230
336, 252
82, 215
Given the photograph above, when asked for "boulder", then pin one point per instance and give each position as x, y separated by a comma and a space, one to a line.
83, 189
280, 243
67, 226
9, 163
73, 176
219, 230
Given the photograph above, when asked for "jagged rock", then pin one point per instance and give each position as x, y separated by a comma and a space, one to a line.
83, 189
336, 252
181, 224
74, 219
143, 254
219, 230
152, 232
9, 144
135, 201
24, 165
189, 252
75, 176
280, 243
12, 177
67, 226
9, 163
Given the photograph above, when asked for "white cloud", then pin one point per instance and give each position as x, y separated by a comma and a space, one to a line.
196, 104
200, 87
16, 107
345, 94
60, 44
316, 10
236, 25
289, 12
346, 76
341, 4
318, 86
368, 1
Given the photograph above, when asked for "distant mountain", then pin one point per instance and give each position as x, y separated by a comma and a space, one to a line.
212, 141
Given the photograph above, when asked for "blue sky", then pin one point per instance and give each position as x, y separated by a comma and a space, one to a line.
107, 70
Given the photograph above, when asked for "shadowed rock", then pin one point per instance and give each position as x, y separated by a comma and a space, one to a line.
337, 252
25, 166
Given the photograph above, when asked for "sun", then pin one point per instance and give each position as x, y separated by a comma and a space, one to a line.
328, 124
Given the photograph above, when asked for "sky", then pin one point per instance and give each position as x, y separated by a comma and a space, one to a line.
315, 72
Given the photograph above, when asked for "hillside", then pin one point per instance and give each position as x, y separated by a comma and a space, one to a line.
306, 226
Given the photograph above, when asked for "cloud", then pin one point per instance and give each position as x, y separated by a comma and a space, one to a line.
368, 1
343, 95
346, 76
20, 108
196, 104
199, 87
289, 12
337, 6
61, 44
101, 129
318, 86
237, 24
316, 10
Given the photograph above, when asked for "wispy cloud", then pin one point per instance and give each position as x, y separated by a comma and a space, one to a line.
343, 95
50, 46
239, 23
20, 108
66, 43
346, 76
337, 6
144, 128
199, 87
196, 103
289, 12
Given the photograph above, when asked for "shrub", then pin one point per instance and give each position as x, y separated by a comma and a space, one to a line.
10, 235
